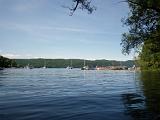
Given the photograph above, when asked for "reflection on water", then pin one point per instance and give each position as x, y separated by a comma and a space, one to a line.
2, 77
145, 104
60, 94
151, 88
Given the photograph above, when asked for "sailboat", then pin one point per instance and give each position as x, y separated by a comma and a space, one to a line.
44, 67
84, 66
28, 67
70, 67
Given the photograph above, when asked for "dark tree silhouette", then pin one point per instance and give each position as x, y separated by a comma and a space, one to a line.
143, 22
83, 5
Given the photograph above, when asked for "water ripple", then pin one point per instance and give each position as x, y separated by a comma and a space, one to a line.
60, 94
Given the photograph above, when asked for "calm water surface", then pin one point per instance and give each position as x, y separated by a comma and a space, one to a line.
60, 94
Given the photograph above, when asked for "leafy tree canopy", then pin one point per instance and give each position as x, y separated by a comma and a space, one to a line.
144, 23
6, 62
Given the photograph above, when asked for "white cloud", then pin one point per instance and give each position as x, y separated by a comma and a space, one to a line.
9, 55
12, 55
41, 29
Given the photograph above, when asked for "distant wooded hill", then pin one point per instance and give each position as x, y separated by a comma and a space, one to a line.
6, 62
76, 63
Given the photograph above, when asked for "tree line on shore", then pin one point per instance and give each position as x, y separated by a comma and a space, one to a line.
76, 63
60, 63
6, 62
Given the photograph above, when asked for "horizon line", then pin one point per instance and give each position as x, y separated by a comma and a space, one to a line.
73, 59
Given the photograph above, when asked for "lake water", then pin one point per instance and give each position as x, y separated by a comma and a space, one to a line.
60, 94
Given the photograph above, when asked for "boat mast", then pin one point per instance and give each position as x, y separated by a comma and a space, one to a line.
84, 64
44, 63
71, 62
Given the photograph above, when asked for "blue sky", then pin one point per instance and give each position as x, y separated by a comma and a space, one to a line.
43, 28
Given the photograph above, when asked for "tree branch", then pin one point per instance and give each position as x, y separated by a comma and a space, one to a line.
75, 6
143, 5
